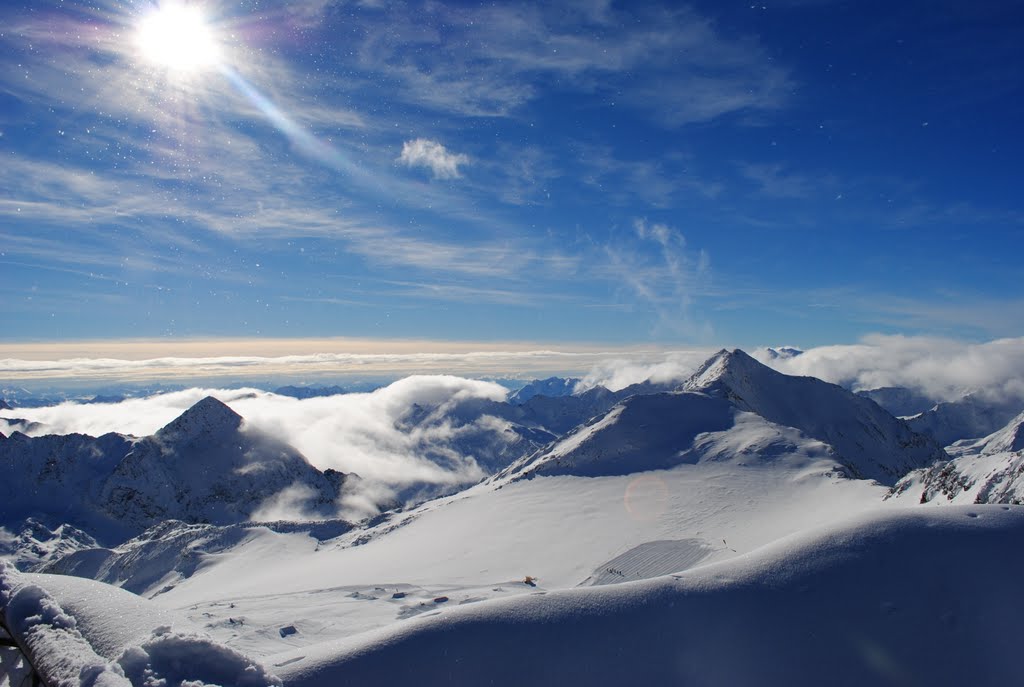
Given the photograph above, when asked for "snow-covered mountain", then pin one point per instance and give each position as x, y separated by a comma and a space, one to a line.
551, 387
782, 353
986, 470
34, 543
710, 419
301, 392
898, 400
203, 466
495, 434
970, 417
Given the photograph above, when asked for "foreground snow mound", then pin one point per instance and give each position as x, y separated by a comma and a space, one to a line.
50, 638
907, 597
86, 634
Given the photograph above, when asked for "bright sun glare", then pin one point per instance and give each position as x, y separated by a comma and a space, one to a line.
178, 37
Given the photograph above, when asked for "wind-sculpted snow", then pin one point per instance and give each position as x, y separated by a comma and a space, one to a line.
652, 559
50, 637
906, 597
86, 634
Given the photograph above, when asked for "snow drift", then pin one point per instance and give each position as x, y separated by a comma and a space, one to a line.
78, 633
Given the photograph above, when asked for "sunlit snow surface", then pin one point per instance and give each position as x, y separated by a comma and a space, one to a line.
481, 544
906, 596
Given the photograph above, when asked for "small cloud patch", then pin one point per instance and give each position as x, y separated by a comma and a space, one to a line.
442, 163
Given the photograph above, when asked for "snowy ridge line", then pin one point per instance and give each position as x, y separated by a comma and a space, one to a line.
57, 646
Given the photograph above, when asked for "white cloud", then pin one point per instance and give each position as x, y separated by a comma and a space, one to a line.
672, 64
287, 504
943, 369
617, 374
358, 433
200, 360
422, 152
662, 273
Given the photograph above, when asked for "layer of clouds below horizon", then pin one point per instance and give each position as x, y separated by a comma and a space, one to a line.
362, 432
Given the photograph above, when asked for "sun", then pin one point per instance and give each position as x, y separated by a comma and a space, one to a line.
178, 37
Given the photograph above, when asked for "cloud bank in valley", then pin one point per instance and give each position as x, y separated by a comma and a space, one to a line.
356, 432
943, 369
619, 373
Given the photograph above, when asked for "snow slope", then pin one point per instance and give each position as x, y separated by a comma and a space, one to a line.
880, 600
481, 544
897, 597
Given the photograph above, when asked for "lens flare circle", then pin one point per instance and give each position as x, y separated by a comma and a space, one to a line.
178, 37
646, 498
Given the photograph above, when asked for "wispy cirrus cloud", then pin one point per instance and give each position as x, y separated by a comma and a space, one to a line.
661, 271
693, 71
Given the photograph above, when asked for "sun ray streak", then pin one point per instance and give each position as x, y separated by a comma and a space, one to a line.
304, 141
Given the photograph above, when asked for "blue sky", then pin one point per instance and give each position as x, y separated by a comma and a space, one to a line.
709, 173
